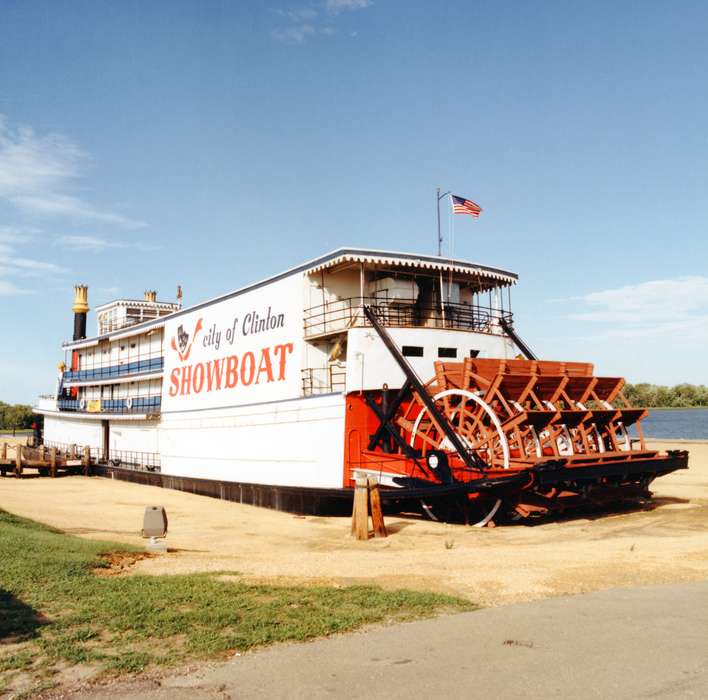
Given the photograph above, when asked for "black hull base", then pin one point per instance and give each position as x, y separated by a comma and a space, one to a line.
303, 500
291, 499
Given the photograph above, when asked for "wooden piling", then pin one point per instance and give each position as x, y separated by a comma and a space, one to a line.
18, 461
53, 462
86, 461
376, 511
360, 511
367, 500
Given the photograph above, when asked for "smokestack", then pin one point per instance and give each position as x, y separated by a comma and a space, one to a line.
80, 309
151, 295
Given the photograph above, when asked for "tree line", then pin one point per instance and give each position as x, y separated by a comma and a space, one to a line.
16, 416
655, 396
19, 416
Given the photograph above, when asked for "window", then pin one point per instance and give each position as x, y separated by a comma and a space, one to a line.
447, 352
474, 353
412, 350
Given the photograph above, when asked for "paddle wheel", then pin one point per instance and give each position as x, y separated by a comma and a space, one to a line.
514, 438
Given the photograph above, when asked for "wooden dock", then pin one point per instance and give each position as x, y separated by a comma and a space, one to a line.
47, 461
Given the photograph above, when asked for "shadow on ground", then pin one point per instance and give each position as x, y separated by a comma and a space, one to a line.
18, 621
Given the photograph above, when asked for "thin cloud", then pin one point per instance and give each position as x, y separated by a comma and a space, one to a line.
10, 289
295, 34
309, 21
14, 265
36, 172
33, 266
657, 308
12, 234
94, 244
338, 6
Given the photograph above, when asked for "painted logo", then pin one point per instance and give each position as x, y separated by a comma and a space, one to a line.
183, 345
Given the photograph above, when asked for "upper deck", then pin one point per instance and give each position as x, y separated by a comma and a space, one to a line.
348, 273
437, 306
404, 291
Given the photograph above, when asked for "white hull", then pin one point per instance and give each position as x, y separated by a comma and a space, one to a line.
283, 443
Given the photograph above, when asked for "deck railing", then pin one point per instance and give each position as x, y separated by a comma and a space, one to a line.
323, 380
135, 404
342, 314
142, 366
129, 459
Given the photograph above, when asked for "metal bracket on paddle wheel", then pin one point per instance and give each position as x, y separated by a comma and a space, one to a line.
509, 330
470, 459
386, 427
385, 415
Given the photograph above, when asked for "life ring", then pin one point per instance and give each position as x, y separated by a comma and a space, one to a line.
129, 403
82, 404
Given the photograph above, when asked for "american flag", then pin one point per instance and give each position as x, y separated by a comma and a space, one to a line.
460, 205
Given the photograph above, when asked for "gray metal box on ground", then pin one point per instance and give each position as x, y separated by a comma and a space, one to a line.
154, 522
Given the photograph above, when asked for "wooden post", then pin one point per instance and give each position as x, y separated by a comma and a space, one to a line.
3, 458
3, 455
72, 451
360, 512
18, 461
53, 462
86, 461
42, 453
376, 511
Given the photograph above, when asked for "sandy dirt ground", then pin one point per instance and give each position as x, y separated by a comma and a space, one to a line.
492, 566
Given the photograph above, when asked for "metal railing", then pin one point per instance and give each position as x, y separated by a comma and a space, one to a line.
134, 404
342, 314
127, 459
154, 364
323, 380
65, 449
149, 461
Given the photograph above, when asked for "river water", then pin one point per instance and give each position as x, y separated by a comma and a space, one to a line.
677, 424
669, 424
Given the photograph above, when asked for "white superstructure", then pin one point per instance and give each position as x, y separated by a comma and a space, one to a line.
250, 386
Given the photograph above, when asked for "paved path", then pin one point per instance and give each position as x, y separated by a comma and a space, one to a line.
622, 643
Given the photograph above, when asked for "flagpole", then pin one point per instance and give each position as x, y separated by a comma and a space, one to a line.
451, 229
440, 240
439, 236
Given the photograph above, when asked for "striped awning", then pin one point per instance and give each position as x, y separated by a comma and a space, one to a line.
494, 276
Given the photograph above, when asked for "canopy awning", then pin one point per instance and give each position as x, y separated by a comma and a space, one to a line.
493, 276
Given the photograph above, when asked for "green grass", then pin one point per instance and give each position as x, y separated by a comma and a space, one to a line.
54, 610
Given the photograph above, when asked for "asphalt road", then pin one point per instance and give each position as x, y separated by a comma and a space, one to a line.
622, 643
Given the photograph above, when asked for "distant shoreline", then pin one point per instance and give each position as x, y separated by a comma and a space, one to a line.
674, 408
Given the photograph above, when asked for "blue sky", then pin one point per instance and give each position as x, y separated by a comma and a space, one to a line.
208, 144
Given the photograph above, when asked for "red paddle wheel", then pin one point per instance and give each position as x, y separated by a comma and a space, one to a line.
492, 437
